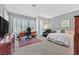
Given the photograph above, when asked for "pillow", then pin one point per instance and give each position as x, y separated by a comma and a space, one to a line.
62, 31
58, 31
53, 31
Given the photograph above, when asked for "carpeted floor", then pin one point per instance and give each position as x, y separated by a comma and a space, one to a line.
44, 48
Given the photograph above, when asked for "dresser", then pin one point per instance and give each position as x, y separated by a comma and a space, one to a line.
7, 48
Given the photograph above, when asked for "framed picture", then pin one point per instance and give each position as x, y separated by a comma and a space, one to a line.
65, 23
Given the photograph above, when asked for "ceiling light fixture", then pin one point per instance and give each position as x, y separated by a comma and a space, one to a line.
33, 5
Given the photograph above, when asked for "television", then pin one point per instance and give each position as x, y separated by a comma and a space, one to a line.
4, 26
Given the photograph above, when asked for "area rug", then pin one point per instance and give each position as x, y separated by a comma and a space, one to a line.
28, 42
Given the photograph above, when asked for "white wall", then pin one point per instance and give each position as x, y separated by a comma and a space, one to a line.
6, 16
55, 22
4, 12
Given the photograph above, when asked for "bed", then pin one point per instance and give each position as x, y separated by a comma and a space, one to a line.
59, 38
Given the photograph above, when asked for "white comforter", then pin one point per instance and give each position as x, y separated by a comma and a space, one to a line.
60, 38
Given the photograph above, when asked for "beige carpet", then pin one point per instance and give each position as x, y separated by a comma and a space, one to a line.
45, 48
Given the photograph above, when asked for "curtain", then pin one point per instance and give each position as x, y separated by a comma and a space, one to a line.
32, 23
20, 23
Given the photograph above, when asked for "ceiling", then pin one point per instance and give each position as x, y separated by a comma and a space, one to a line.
44, 10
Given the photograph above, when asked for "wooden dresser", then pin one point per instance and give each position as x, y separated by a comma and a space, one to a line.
7, 48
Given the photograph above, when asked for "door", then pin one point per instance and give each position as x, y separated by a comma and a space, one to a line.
76, 38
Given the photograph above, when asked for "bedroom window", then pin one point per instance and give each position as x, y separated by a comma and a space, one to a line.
65, 23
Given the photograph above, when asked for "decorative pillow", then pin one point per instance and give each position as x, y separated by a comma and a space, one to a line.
62, 31
58, 31
53, 31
